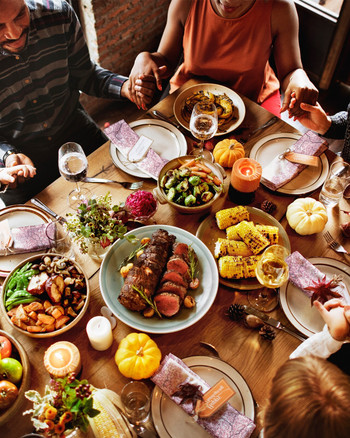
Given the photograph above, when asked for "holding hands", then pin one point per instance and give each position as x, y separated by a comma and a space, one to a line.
337, 317
9, 175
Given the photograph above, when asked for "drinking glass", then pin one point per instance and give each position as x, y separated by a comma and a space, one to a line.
59, 239
333, 187
73, 165
203, 125
272, 272
135, 397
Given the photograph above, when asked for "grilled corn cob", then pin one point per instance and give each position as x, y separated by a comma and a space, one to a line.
231, 216
252, 237
270, 232
236, 267
231, 232
231, 247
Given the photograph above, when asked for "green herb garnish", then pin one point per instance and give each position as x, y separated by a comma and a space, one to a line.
193, 260
132, 255
148, 300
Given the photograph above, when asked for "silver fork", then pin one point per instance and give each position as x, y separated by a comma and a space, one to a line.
127, 185
334, 244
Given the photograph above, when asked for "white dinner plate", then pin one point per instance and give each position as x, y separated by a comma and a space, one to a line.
111, 283
239, 107
297, 305
208, 232
19, 216
171, 421
307, 181
168, 142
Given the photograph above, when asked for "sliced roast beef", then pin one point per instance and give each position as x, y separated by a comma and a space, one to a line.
175, 277
181, 249
177, 264
147, 270
174, 288
168, 304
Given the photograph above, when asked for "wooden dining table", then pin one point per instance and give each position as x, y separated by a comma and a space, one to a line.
255, 358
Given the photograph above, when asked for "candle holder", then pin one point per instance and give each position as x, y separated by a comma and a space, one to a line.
245, 180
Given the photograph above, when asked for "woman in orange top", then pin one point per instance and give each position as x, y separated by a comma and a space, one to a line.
230, 42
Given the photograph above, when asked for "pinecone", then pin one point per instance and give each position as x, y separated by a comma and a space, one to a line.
268, 206
267, 333
236, 312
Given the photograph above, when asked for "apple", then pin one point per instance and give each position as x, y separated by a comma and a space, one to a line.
11, 369
8, 394
5, 347
54, 287
36, 284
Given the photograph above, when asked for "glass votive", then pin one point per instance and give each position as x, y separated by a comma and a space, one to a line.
59, 239
99, 332
135, 397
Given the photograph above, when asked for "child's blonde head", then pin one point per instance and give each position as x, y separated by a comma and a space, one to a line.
309, 398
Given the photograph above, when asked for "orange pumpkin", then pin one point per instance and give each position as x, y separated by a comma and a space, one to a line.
227, 151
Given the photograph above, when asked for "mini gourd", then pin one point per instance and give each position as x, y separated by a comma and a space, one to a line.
227, 151
307, 216
138, 356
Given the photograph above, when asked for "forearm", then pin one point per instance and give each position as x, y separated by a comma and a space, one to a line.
297, 74
5, 148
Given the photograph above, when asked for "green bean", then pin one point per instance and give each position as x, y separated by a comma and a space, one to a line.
21, 301
18, 294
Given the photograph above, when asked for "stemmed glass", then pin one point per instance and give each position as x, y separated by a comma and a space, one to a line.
272, 272
203, 125
72, 164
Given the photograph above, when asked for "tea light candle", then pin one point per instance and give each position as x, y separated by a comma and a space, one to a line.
245, 178
99, 332
62, 358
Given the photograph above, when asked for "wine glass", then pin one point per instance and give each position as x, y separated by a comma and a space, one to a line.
203, 125
72, 164
272, 272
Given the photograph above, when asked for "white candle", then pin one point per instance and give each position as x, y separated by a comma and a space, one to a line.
99, 332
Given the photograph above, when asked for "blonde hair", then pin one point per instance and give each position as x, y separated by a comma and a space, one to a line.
309, 398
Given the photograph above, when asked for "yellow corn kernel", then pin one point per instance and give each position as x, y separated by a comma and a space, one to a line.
231, 267
231, 216
270, 232
102, 425
231, 232
249, 265
231, 247
252, 237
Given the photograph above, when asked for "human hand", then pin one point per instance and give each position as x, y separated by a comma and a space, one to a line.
25, 170
8, 174
315, 118
300, 89
336, 316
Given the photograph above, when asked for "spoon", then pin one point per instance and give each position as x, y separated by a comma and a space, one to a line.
211, 348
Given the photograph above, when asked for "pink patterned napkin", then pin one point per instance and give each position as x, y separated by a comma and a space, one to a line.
31, 238
280, 171
227, 422
124, 139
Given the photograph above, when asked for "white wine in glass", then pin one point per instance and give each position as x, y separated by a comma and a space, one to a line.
73, 165
203, 125
272, 272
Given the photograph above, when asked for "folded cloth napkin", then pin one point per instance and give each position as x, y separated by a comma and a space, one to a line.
227, 422
304, 274
31, 238
124, 139
280, 171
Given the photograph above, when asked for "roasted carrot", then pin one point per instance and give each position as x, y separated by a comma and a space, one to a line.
203, 167
198, 173
188, 163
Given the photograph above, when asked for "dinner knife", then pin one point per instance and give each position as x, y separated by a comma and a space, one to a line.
48, 210
166, 119
271, 321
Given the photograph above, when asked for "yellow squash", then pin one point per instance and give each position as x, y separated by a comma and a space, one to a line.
138, 356
227, 151
307, 216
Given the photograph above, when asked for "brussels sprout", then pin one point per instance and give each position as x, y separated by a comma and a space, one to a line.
207, 196
184, 172
190, 200
203, 187
171, 182
171, 193
182, 186
164, 180
194, 180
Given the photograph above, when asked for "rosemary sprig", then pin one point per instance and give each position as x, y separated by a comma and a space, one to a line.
132, 255
148, 300
192, 258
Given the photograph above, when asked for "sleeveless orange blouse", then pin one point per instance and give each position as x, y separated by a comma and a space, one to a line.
231, 51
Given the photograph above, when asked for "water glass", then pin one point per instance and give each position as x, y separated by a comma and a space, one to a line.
59, 239
135, 397
333, 187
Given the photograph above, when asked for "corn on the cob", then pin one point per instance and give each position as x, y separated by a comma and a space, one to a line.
231, 247
252, 237
270, 232
237, 267
231, 216
231, 232
102, 425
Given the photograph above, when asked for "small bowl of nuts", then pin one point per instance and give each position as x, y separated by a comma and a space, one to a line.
45, 295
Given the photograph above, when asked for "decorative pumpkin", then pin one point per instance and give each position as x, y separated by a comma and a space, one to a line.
138, 356
227, 151
307, 216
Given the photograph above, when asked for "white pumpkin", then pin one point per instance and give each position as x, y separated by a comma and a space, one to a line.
307, 216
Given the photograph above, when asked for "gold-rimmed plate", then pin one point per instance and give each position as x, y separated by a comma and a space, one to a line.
19, 216
216, 89
208, 232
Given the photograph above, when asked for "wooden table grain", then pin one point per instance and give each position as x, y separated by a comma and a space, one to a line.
254, 358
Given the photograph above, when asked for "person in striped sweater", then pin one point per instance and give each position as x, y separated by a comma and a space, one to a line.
44, 65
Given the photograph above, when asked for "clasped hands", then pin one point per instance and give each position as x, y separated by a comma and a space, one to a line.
337, 317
